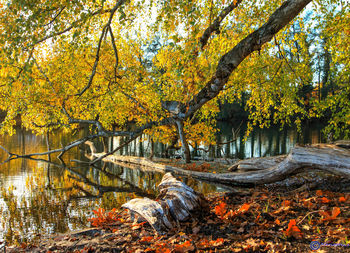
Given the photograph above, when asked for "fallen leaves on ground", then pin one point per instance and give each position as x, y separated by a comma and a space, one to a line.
258, 220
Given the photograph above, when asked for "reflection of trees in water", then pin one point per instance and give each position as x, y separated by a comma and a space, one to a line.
58, 204
59, 197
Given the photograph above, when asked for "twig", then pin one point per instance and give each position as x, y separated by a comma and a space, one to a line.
306, 216
56, 16
115, 52
9, 153
285, 59
73, 25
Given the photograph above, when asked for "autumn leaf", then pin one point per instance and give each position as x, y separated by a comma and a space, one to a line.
319, 193
325, 200
104, 218
293, 230
342, 199
330, 216
184, 247
244, 208
205, 243
146, 239
220, 209
217, 242
286, 203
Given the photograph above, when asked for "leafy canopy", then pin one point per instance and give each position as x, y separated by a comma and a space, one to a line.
116, 61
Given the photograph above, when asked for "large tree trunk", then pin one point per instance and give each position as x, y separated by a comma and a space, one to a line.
325, 157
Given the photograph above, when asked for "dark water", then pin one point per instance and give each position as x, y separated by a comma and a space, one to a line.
39, 198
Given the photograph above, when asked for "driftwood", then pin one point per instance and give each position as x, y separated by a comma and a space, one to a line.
257, 163
261, 163
343, 143
326, 157
175, 203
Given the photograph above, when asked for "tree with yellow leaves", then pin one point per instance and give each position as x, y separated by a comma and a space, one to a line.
160, 67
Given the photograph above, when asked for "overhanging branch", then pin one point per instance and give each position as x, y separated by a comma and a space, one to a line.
215, 26
97, 57
253, 42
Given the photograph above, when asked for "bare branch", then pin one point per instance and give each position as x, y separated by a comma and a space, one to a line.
56, 16
215, 26
8, 152
116, 149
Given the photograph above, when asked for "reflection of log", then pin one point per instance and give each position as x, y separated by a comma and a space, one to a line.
260, 163
103, 189
175, 203
326, 157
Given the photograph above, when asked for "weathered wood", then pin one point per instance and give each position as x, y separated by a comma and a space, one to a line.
151, 211
175, 203
257, 163
343, 143
326, 157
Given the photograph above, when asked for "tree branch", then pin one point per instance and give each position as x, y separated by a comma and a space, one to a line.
253, 42
97, 57
215, 26
115, 52
116, 149
73, 25
56, 16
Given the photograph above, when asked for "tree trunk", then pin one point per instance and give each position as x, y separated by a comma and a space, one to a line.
152, 150
184, 144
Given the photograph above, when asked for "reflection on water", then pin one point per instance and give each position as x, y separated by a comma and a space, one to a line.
261, 142
37, 197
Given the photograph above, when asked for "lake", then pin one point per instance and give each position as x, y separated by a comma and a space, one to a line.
39, 198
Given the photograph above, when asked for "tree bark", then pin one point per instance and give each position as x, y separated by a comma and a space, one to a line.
257, 163
175, 203
184, 144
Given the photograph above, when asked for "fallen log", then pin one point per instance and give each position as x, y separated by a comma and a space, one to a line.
257, 163
343, 143
175, 203
261, 163
326, 157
